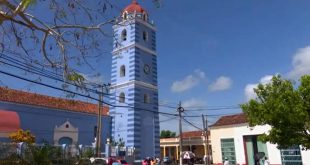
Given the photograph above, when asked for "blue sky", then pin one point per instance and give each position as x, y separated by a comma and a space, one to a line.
211, 53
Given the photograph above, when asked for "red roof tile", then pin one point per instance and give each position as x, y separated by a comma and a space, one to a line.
21, 97
192, 134
231, 120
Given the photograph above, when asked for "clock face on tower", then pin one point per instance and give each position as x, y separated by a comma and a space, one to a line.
146, 69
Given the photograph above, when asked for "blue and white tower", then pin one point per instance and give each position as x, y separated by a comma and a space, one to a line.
134, 82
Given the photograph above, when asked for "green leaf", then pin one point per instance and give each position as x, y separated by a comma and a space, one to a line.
285, 108
76, 77
26, 3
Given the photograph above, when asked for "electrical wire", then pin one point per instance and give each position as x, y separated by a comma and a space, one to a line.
35, 70
172, 118
54, 76
40, 72
193, 125
82, 95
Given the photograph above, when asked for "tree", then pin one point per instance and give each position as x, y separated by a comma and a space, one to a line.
167, 134
22, 136
63, 35
286, 108
56, 34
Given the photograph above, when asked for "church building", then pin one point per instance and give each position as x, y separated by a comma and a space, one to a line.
51, 120
135, 119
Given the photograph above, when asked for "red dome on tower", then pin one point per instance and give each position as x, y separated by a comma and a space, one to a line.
134, 7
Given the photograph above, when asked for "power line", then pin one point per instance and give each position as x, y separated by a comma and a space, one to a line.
82, 95
172, 118
54, 76
213, 115
214, 109
39, 71
193, 125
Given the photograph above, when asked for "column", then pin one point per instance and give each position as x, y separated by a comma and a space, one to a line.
177, 148
169, 152
164, 151
205, 148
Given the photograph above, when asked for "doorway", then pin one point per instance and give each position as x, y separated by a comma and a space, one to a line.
255, 150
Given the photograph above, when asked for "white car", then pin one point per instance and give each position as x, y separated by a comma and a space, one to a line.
98, 161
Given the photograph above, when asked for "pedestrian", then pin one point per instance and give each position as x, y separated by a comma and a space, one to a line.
257, 158
148, 160
144, 162
226, 162
153, 161
205, 159
110, 161
266, 161
158, 161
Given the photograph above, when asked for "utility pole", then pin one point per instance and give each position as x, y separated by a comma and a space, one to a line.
99, 120
206, 138
180, 110
99, 123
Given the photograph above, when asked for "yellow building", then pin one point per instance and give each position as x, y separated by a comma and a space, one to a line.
194, 141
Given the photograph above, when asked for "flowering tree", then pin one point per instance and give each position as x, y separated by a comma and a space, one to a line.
22, 136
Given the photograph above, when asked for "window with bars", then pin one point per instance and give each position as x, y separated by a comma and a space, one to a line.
291, 156
228, 150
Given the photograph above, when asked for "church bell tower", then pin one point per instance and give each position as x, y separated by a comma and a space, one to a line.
134, 91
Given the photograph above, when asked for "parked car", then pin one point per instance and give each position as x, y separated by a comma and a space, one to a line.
166, 161
83, 161
98, 161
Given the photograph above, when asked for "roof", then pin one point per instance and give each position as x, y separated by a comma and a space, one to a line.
134, 7
192, 134
9, 121
21, 97
231, 120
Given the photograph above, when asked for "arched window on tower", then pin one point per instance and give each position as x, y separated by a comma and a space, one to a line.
124, 35
122, 97
144, 17
145, 36
125, 15
146, 98
122, 71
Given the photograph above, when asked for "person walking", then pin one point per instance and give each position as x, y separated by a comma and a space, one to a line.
144, 162
226, 162
266, 161
153, 161
205, 159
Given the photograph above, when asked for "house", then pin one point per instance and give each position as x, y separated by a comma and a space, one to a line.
194, 141
233, 138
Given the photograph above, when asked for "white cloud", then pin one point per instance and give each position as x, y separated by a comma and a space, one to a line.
97, 79
222, 83
249, 89
301, 63
188, 82
193, 103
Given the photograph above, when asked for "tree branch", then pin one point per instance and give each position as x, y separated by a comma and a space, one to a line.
44, 50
